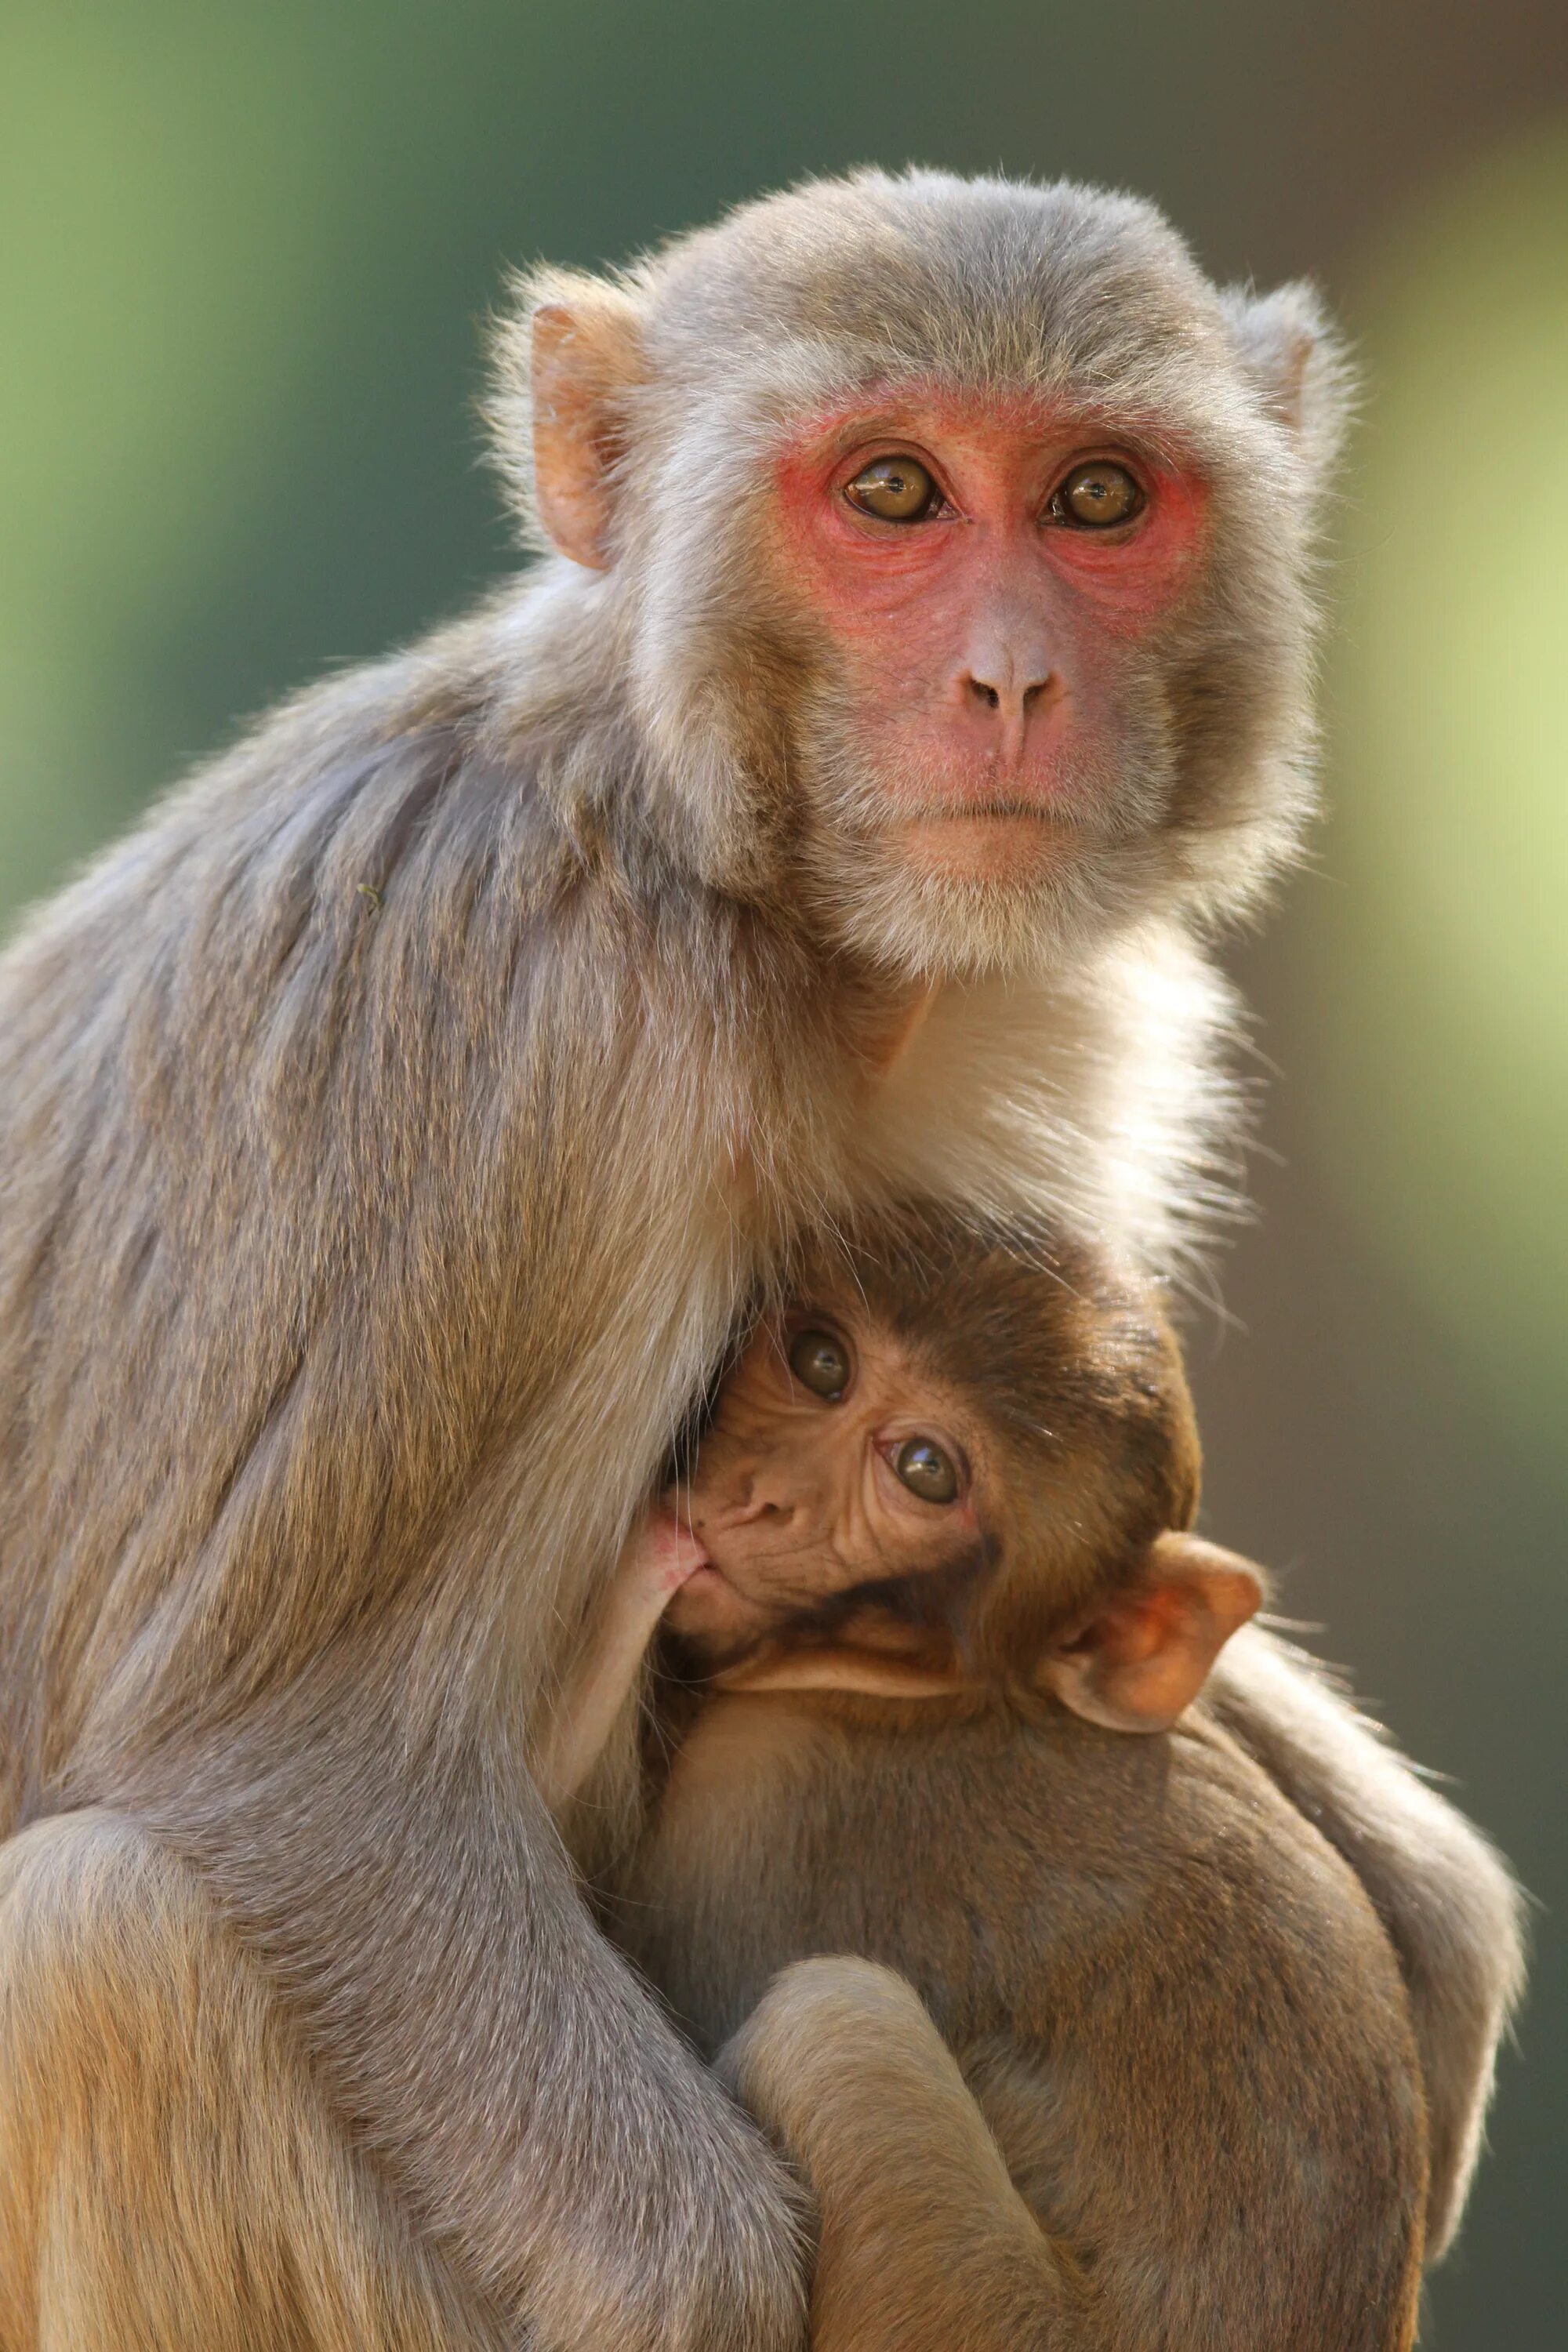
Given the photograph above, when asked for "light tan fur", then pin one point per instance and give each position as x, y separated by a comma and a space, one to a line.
1449, 1903
1452, 1908
393, 1123
161, 2062
1162, 2089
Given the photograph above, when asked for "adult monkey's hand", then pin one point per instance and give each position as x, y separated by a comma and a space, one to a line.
396, 1122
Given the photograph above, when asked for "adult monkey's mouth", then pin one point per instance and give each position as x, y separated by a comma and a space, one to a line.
966, 811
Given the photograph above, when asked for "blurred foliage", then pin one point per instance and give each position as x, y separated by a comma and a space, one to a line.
245, 255
165, 277
1442, 965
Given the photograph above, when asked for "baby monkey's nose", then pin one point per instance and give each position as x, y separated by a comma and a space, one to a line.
759, 1504
758, 1499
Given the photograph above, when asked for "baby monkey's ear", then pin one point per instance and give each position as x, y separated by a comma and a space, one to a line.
1138, 1659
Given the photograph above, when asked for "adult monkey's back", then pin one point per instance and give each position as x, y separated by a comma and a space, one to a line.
393, 1124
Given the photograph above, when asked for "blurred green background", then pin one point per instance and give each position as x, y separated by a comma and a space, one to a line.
244, 259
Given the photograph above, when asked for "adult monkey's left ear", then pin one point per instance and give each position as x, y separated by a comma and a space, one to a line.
566, 363
1139, 1659
1298, 362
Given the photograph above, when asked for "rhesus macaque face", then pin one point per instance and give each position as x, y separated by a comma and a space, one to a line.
834, 1466
985, 577
958, 534
851, 1503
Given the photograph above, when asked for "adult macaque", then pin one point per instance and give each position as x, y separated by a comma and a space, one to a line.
940, 1510
393, 1123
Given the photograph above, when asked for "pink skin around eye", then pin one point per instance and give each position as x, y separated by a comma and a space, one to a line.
999, 461
984, 650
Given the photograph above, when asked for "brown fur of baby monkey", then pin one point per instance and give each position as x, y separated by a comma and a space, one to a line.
1164, 2089
395, 1122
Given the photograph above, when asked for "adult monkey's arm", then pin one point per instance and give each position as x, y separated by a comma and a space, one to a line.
422, 1306
484, 2046
1451, 1907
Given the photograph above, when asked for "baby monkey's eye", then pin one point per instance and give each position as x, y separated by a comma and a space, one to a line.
820, 1363
894, 489
922, 1466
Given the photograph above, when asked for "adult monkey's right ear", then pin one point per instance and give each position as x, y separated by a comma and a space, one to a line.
567, 362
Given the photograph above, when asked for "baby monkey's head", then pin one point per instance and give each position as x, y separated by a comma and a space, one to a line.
950, 1460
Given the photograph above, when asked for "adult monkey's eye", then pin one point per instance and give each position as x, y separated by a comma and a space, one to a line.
921, 1465
820, 1363
1094, 495
894, 489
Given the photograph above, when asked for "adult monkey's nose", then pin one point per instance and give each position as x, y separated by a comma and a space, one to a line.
1009, 696
1009, 665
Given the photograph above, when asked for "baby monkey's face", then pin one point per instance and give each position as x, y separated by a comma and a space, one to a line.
839, 1488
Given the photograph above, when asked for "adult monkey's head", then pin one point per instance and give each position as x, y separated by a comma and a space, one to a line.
955, 538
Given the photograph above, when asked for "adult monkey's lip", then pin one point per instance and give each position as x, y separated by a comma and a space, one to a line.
1051, 809
977, 811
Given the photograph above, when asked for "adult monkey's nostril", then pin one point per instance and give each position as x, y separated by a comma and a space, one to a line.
1015, 701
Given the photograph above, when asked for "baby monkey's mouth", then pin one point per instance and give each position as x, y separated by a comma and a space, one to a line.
712, 1616
715, 1631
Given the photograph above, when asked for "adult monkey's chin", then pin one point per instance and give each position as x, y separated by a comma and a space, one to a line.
1006, 842
973, 899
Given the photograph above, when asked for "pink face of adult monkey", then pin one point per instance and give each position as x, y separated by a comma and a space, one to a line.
991, 575
980, 553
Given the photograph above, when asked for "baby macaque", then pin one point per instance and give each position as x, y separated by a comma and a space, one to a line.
930, 1562
896, 1500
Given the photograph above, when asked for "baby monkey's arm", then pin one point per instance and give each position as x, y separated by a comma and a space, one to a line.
656, 1560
